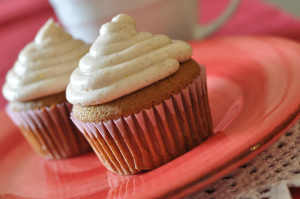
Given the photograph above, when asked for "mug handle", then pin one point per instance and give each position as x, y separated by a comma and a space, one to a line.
202, 31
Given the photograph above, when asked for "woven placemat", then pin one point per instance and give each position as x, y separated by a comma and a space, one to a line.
267, 176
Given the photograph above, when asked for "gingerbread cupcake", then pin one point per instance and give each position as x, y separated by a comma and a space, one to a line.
138, 98
35, 88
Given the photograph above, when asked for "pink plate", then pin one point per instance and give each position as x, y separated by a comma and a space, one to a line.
253, 85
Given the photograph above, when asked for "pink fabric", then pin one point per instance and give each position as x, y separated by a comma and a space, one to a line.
253, 17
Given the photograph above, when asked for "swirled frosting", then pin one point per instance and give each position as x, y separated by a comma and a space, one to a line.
123, 60
44, 65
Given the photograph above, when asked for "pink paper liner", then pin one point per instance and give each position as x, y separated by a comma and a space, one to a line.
153, 137
50, 132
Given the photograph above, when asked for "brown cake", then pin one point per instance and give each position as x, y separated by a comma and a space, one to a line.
35, 88
131, 127
143, 99
45, 124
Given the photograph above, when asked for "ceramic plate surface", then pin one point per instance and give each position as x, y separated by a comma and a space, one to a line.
253, 85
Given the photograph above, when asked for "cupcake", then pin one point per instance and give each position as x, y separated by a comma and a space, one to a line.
138, 98
35, 88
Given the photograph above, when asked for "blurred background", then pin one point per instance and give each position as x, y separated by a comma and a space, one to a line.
20, 20
291, 6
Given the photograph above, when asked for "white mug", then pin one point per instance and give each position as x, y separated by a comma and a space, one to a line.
174, 18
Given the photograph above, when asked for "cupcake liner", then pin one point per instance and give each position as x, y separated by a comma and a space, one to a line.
153, 137
50, 131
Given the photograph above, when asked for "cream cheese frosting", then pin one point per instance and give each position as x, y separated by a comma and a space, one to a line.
44, 65
123, 60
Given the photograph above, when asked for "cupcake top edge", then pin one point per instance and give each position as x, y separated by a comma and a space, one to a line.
123, 60
44, 65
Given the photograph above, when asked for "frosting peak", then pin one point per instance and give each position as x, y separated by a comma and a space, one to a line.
124, 18
52, 32
44, 65
123, 60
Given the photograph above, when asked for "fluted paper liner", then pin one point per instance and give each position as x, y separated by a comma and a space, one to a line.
50, 132
153, 137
